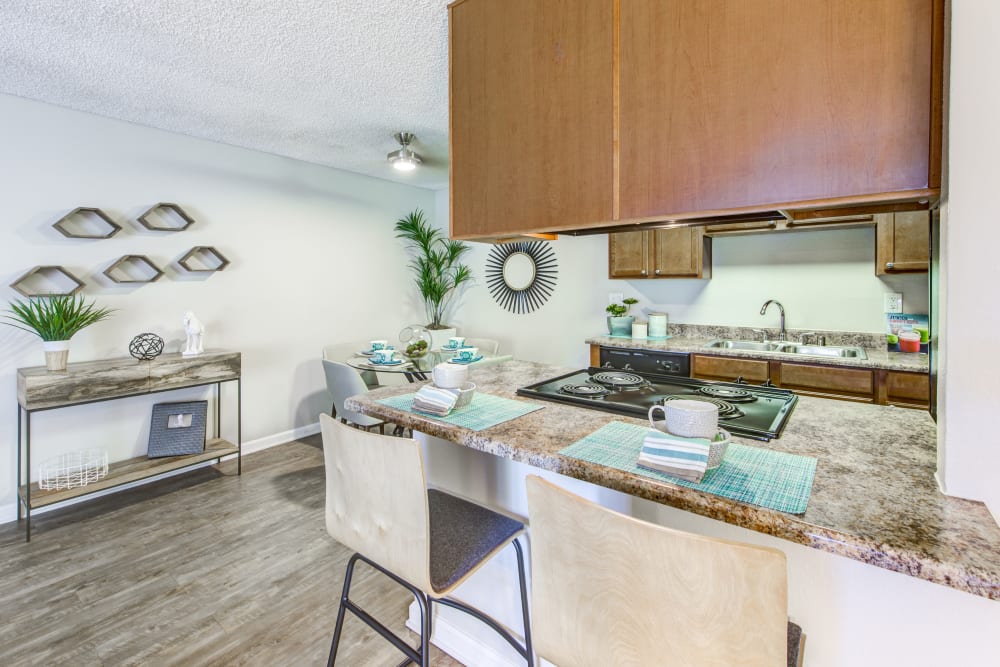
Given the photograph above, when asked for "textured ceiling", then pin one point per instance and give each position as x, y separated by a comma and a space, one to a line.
326, 81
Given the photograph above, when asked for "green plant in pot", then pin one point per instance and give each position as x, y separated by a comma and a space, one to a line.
619, 321
436, 265
55, 319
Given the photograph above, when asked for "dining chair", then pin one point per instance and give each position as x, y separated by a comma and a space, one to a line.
609, 589
341, 351
428, 541
487, 346
342, 382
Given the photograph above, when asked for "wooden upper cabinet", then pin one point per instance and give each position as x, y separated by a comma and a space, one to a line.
902, 243
531, 116
628, 255
729, 104
660, 253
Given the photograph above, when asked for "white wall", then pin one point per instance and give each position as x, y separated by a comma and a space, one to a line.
314, 261
825, 280
969, 451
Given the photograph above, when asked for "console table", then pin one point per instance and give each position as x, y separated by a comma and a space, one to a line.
93, 381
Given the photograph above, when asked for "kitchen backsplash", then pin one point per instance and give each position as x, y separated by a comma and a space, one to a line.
860, 339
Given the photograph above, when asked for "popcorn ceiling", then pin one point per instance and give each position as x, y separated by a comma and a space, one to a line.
322, 81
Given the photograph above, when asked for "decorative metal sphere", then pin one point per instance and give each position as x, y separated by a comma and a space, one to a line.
145, 347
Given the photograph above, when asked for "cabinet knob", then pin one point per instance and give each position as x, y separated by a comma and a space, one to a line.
889, 266
644, 272
657, 272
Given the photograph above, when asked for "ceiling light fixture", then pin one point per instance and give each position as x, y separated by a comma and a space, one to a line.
404, 159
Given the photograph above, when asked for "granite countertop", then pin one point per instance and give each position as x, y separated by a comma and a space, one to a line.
878, 357
874, 497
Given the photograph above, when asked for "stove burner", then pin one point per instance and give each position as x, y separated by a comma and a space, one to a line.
726, 410
729, 394
584, 389
620, 380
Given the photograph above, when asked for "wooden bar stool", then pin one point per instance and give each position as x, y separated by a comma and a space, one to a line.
609, 589
378, 505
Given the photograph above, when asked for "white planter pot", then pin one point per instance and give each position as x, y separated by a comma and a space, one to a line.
440, 337
56, 354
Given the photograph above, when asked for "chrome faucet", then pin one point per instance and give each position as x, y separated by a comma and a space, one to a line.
781, 309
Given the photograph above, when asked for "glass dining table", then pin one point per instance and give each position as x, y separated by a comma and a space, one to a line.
414, 370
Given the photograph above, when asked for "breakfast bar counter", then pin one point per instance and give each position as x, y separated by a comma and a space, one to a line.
874, 498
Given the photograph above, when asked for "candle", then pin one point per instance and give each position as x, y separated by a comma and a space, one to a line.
638, 330
658, 325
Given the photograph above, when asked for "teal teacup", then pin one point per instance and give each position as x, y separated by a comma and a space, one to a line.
384, 356
468, 353
456, 342
377, 345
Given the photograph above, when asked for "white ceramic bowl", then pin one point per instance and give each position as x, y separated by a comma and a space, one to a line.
464, 393
450, 376
691, 419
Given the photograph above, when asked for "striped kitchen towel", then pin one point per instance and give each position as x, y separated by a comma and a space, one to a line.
434, 401
686, 458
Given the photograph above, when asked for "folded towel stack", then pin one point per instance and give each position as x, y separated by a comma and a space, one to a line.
686, 458
434, 401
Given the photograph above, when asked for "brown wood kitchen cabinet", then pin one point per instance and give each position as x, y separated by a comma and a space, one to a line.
883, 387
684, 252
571, 115
531, 132
902, 243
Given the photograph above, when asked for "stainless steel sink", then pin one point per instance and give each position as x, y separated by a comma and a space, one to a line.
790, 348
766, 346
824, 351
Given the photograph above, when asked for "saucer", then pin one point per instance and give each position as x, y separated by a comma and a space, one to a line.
456, 360
368, 353
395, 362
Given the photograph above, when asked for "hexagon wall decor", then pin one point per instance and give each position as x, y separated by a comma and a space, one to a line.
33, 282
70, 227
203, 259
127, 269
148, 219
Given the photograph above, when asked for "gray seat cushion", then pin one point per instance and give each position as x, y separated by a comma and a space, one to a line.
794, 644
462, 535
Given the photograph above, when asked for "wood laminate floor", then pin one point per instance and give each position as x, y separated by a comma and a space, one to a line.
206, 568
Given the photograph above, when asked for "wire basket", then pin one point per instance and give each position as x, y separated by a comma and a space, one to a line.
73, 469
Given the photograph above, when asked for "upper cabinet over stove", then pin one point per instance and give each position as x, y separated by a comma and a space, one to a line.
584, 115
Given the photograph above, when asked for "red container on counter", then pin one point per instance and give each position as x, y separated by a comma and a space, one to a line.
909, 341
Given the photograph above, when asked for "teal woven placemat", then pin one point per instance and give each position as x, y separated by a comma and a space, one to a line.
754, 475
484, 411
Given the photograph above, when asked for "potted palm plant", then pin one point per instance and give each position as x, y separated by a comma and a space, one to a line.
437, 269
55, 320
619, 321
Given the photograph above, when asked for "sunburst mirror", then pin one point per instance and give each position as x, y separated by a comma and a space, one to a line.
521, 276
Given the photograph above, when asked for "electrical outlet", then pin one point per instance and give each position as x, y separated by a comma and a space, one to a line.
616, 297
893, 302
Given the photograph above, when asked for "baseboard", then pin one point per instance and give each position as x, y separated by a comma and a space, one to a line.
9, 510
460, 645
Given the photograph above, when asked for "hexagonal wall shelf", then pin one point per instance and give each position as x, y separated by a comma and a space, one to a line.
157, 217
85, 222
47, 281
203, 259
133, 269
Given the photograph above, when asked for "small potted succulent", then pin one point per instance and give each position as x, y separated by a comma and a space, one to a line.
55, 319
619, 321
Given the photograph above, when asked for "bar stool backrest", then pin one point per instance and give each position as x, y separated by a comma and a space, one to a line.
376, 499
609, 589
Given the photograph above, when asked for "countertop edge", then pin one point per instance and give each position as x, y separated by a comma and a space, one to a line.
698, 348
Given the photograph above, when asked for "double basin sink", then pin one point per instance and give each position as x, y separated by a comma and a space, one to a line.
843, 352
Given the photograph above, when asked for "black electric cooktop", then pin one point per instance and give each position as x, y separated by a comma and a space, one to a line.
745, 410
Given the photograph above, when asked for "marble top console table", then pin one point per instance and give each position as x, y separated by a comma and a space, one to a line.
94, 381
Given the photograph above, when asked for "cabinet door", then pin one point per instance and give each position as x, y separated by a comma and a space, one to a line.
853, 384
681, 253
902, 243
628, 255
531, 116
728, 103
728, 368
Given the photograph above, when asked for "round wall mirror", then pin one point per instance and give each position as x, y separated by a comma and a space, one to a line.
519, 271
521, 276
